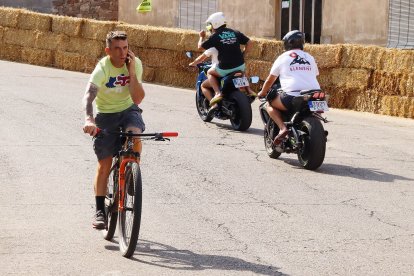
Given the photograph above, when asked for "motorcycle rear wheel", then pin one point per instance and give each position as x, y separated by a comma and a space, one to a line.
312, 153
242, 112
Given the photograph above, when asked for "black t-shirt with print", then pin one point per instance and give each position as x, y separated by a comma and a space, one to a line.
227, 42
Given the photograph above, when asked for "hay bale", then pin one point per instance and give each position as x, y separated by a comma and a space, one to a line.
342, 97
407, 85
271, 50
75, 62
95, 29
86, 47
175, 77
358, 56
70, 26
325, 78
137, 34
255, 51
37, 57
189, 41
9, 17
34, 21
351, 78
2, 30
164, 38
25, 38
368, 101
397, 106
397, 61
163, 58
258, 68
326, 56
51, 41
148, 74
386, 83
10, 52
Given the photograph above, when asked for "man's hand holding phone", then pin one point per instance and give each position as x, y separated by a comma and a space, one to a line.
130, 61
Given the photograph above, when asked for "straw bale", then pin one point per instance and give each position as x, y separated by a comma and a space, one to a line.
51, 41
351, 78
368, 101
95, 29
10, 52
86, 47
164, 38
407, 85
397, 61
75, 61
342, 97
2, 29
256, 49
271, 49
148, 74
176, 77
37, 57
397, 106
325, 78
189, 41
25, 38
34, 21
358, 56
386, 83
258, 68
163, 58
326, 56
137, 34
9, 17
70, 26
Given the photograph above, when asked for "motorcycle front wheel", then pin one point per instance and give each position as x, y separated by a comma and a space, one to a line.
202, 106
270, 131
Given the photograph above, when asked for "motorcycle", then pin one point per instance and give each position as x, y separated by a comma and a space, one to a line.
307, 137
236, 104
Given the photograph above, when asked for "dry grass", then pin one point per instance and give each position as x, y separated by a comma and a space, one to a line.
397, 61
271, 49
97, 30
10, 52
74, 62
164, 38
258, 68
189, 40
368, 101
25, 38
397, 106
359, 56
148, 74
351, 78
51, 41
175, 77
163, 58
326, 56
37, 57
137, 34
86, 47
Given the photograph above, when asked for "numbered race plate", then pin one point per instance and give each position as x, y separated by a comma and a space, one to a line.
318, 106
240, 82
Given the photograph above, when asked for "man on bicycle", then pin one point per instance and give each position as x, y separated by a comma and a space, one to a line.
116, 85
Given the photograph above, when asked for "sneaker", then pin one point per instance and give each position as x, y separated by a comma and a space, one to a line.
99, 221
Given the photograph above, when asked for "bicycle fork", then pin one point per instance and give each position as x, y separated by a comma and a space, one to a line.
121, 186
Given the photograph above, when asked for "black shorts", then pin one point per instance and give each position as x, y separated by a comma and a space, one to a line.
110, 144
284, 98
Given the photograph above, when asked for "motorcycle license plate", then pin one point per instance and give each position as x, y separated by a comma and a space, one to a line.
240, 82
318, 106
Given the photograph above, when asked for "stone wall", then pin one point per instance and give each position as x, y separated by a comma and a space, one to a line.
95, 9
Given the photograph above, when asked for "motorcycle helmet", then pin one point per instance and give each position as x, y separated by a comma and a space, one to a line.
216, 20
293, 40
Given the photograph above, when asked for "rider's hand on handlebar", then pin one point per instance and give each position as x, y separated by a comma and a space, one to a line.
261, 94
90, 127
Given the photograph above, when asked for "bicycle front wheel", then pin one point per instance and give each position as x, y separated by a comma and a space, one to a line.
129, 218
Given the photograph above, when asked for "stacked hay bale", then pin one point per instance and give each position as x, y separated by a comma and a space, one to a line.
363, 78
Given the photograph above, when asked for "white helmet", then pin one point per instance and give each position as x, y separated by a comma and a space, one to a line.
216, 20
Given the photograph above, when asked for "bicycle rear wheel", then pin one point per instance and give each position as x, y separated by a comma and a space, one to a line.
129, 220
111, 202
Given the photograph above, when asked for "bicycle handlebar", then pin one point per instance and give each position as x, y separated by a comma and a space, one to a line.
156, 135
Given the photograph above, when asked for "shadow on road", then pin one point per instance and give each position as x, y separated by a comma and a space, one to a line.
348, 171
161, 255
251, 130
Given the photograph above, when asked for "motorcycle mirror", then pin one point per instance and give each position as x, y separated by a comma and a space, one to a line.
189, 54
254, 79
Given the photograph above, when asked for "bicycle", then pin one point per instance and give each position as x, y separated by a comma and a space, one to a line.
123, 200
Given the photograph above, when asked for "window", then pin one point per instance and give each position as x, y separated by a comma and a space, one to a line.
194, 13
401, 24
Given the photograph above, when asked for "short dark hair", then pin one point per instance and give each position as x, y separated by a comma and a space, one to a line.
118, 35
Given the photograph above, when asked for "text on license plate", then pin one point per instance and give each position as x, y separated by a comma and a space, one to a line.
318, 106
240, 82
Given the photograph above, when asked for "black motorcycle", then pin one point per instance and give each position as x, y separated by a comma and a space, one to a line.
307, 137
235, 105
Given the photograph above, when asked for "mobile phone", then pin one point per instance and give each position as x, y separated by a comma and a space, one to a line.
127, 59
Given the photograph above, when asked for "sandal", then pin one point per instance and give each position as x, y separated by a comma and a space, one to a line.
216, 99
279, 138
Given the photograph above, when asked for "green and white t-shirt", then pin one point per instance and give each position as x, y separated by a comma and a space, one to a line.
113, 85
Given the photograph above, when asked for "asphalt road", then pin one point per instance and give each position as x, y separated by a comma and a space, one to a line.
214, 203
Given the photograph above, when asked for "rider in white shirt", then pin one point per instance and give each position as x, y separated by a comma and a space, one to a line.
297, 70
